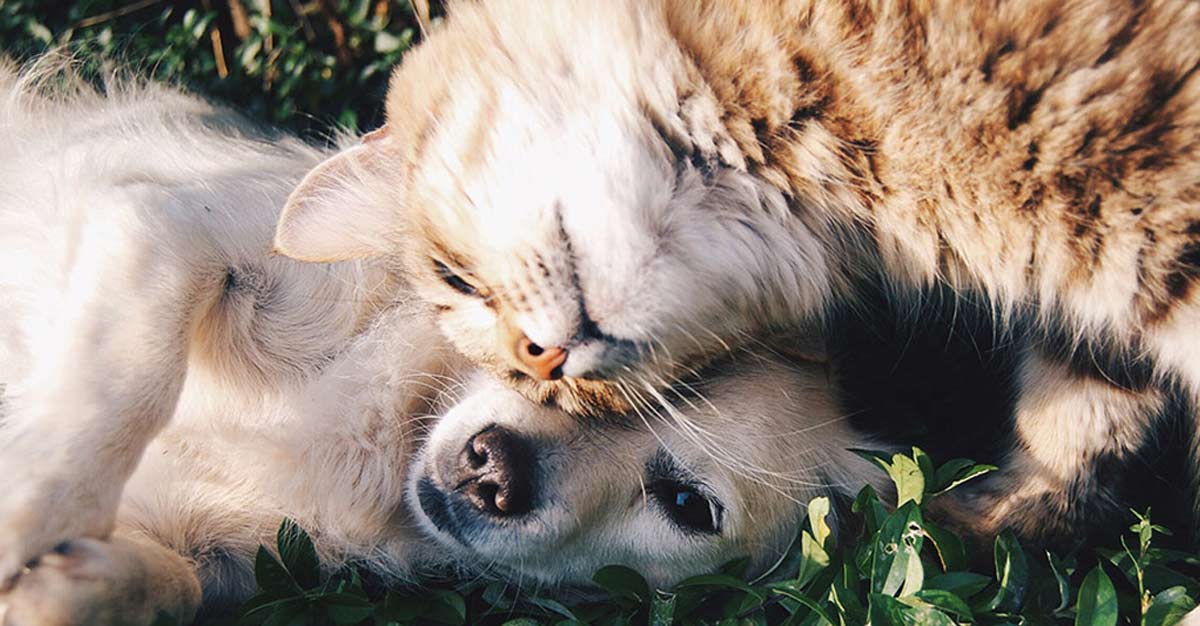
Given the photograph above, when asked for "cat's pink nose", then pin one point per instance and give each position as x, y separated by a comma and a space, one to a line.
543, 363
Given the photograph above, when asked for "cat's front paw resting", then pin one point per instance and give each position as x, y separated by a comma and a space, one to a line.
102, 583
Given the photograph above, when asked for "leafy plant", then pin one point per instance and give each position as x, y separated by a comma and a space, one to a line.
900, 570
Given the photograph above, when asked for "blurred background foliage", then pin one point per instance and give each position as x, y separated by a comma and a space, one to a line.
305, 65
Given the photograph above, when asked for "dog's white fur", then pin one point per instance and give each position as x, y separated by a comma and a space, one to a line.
140, 294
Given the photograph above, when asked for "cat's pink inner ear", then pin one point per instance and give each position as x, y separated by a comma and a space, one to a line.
375, 135
340, 211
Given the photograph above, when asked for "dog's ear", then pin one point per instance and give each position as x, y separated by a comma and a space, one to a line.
343, 208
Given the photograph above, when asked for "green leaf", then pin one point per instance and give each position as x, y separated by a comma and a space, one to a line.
904, 472
961, 584
879, 457
948, 472
721, 581
298, 554
1168, 607
975, 471
888, 611
844, 594
808, 602
272, 577
926, 464
946, 601
896, 567
736, 567
1012, 573
813, 558
292, 613
549, 605
401, 608
1097, 600
662, 609
909, 479
818, 514
446, 607
950, 549
622, 582
867, 504
1060, 577
344, 608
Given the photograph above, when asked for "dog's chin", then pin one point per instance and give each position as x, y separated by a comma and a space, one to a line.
428, 506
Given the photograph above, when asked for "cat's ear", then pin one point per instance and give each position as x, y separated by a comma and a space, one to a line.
342, 209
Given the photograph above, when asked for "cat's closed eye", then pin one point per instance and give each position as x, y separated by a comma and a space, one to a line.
453, 280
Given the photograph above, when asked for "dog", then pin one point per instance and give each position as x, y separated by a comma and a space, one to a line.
172, 390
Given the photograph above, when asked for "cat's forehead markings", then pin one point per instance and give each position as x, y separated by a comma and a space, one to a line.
445, 255
476, 147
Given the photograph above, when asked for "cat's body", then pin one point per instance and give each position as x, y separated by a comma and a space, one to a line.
632, 188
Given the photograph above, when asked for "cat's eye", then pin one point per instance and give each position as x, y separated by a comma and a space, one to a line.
687, 506
454, 281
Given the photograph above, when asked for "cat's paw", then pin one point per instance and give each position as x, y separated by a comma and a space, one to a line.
93, 583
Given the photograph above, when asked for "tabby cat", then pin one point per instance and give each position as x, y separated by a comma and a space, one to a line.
598, 197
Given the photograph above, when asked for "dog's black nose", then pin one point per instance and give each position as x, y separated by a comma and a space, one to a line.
496, 472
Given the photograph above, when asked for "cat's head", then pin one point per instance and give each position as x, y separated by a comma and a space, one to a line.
532, 179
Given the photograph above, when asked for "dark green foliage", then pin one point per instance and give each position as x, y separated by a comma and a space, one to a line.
900, 570
306, 65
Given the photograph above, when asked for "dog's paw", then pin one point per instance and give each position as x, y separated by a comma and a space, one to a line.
94, 583
38, 514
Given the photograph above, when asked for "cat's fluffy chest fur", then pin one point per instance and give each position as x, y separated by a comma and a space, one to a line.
644, 184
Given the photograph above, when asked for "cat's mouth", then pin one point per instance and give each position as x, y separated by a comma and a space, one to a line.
577, 396
631, 389
600, 360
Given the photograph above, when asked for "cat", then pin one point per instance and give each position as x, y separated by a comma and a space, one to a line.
600, 197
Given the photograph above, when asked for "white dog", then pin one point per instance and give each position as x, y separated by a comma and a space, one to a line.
172, 390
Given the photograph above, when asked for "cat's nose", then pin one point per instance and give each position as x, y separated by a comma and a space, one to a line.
496, 472
541, 362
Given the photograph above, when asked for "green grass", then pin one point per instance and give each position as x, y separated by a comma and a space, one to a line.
304, 65
900, 569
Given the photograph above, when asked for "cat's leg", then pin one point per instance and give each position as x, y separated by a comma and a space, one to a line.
123, 581
1067, 421
107, 366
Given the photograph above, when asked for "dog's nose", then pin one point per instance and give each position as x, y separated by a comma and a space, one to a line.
544, 363
496, 472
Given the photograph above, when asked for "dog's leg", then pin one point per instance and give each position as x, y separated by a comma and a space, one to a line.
124, 581
107, 370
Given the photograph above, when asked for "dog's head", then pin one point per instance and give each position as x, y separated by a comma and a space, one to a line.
526, 492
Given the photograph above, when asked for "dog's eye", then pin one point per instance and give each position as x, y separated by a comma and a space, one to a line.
688, 507
454, 281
